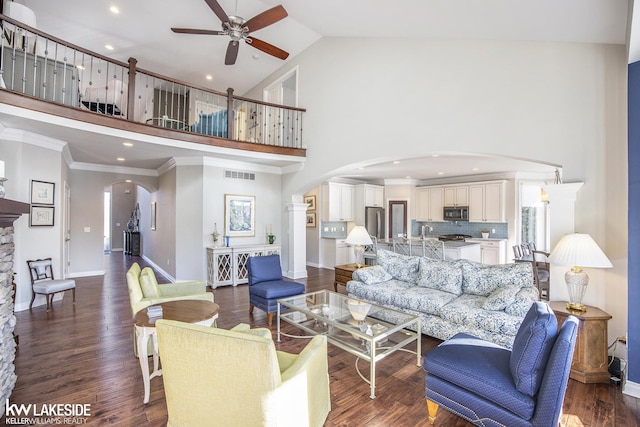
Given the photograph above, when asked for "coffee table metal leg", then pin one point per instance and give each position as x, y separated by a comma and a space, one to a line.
278, 321
372, 368
419, 344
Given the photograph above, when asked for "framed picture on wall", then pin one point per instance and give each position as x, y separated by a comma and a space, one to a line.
42, 192
311, 201
41, 216
239, 215
311, 219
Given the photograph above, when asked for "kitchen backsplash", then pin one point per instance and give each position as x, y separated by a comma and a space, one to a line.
333, 229
473, 229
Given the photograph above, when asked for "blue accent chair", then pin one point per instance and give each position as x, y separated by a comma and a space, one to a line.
489, 385
266, 286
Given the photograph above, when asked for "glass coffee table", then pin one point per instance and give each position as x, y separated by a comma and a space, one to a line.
367, 331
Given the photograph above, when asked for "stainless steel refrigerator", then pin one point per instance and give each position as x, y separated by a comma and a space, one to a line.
374, 222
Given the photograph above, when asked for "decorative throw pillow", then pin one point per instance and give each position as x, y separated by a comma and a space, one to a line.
401, 267
149, 284
481, 279
531, 348
441, 275
372, 275
501, 297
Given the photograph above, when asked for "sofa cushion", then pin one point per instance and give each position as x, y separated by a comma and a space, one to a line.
501, 297
401, 267
481, 279
382, 293
524, 298
421, 300
149, 284
372, 275
466, 311
442, 275
531, 348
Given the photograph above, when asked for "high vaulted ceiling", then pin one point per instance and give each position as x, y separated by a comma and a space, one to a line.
141, 30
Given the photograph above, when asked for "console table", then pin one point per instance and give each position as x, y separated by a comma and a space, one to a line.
131, 242
227, 265
590, 358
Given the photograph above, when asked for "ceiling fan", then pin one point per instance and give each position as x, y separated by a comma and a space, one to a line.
239, 29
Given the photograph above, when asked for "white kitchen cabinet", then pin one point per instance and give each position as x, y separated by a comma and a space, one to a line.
339, 197
486, 202
344, 253
492, 251
456, 195
429, 203
373, 196
453, 251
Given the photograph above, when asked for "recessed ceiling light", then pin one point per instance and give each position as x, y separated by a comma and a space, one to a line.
120, 159
407, 177
108, 47
209, 77
114, 9
440, 173
396, 162
128, 144
475, 169
255, 56
127, 180
435, 155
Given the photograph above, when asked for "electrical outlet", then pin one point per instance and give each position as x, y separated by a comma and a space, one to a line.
493, 231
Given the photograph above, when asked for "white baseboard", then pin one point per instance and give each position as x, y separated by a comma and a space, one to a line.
632, 389
160, 270
296, 274
86, 274
313, 264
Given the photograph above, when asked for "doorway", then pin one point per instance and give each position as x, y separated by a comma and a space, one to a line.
283, 91
397, 218
107, 222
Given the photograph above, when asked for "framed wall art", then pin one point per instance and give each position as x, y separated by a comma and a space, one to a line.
311, 201
239, 215
41, 216
42, 192
311, 219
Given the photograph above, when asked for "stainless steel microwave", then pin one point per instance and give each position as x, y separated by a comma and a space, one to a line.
456, 213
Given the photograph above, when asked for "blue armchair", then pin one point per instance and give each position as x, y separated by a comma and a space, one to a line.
266, 286
489, 385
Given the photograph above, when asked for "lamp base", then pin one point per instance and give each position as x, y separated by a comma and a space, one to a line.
575, 307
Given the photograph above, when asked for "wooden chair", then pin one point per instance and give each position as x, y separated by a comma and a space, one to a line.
371, 251
517, 251
43, 282
541, 275
433, 248
402, 245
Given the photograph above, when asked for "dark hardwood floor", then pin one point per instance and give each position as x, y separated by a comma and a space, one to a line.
83, 353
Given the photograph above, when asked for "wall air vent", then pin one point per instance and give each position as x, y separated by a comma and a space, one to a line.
240, 175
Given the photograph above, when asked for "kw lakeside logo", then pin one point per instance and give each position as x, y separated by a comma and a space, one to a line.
47, 414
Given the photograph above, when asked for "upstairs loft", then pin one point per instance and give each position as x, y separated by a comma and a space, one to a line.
42, 74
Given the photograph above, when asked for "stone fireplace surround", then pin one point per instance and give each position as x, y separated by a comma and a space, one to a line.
10, 210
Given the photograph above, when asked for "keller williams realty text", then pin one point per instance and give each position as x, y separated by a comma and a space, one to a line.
56, 413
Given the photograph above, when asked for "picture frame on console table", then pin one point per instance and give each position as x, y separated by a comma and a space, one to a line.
239, 215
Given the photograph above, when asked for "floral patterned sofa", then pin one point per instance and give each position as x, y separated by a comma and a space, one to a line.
488, 301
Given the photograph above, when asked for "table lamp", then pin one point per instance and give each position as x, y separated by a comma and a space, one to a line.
578, 250
359, 236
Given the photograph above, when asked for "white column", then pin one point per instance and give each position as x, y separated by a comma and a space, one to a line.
297, 249
562, 201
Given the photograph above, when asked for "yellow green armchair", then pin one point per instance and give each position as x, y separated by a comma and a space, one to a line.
237, 377
144, 290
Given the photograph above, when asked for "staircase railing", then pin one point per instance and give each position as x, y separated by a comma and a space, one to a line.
41, 66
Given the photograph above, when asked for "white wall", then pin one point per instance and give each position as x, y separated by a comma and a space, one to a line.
558, 103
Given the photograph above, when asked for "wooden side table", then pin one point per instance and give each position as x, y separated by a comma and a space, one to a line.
590, 358
344, 273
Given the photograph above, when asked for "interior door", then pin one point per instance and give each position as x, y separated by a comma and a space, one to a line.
397, 218
66, 230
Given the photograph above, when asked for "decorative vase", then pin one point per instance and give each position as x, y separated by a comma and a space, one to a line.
272, 239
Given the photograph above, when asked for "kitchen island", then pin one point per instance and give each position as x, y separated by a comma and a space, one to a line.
452, 249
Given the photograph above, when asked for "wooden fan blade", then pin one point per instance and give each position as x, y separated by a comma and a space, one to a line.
232, 52
266, 18
196, 31
218, 10
267, 48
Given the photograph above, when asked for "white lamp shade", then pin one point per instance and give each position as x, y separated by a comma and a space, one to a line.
359, 236
579, 250
19, 12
